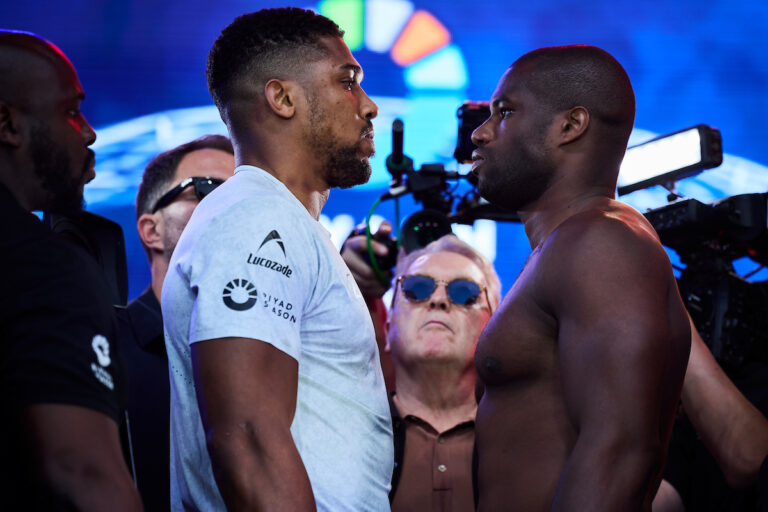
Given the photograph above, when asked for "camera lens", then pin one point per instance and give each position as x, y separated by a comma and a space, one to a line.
424, 227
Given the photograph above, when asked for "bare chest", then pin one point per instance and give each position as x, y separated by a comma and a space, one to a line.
519, 342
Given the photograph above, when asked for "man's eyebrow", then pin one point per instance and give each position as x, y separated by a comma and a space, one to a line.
358, 71
496, 101
77, 97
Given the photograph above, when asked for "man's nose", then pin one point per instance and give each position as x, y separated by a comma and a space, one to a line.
439, 298
89, 134
368, 109
482, 134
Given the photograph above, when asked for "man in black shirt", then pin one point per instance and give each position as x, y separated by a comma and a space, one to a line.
59, 377
171, 188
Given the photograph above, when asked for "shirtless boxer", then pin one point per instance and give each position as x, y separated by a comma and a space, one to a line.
584, 361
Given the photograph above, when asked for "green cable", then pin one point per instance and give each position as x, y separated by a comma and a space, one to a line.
368, 239
397, 222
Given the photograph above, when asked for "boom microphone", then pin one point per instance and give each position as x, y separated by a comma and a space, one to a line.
397, 142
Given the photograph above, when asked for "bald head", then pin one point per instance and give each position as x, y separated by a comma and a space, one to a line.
28, 63
564, 77
44, 138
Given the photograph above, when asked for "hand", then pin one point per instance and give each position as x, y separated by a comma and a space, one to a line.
355, 255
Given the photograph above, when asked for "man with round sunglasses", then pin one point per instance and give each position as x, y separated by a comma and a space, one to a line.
462, 292
172, 186
443, 295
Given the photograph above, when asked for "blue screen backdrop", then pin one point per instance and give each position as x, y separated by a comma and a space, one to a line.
142, 65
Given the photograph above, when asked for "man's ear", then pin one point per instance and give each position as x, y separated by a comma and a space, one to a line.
150, 229
280, 95
574, 125
9, 125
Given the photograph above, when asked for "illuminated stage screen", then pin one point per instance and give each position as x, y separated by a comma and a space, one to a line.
142, 64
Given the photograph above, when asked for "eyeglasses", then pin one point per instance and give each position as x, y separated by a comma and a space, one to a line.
463, 292
203, 187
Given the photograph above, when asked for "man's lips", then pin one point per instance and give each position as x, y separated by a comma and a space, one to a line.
477, 159
367, 136
437, 323
90, 165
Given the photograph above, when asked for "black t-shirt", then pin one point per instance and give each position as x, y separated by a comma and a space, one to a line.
57, 335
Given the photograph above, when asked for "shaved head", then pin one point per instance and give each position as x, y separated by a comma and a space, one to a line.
44, 156
564, 77
559, 114
27, 64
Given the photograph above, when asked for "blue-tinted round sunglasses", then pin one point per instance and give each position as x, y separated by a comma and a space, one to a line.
463, 292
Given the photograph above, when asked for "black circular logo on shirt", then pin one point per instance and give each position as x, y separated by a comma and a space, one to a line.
239, 295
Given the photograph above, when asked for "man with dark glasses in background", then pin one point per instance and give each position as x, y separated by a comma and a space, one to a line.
443, 295
173, 184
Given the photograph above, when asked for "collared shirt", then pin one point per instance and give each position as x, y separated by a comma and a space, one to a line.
435, 469
141, 344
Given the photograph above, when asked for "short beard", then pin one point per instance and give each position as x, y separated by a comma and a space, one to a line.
344, 169
521, 178
341, 166
171, 236
513, 190
53, 167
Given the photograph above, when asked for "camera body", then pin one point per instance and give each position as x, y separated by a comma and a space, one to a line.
727, 309
471, 115
429, 185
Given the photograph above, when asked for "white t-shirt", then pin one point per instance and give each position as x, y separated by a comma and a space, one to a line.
253, 263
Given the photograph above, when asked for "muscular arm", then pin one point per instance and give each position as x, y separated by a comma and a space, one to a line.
622, 346
733, 430
78, 458
246, 391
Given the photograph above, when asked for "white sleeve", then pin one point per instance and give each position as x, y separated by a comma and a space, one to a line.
251, 272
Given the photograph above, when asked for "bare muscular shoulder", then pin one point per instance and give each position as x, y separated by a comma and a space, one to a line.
602, 262
579, 256
593, 319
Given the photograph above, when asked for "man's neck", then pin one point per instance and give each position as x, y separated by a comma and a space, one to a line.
543, 216
442, 398
17, 185
158, 269
303, 180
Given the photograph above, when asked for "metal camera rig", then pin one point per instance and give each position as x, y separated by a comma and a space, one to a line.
728, 310
431, 185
